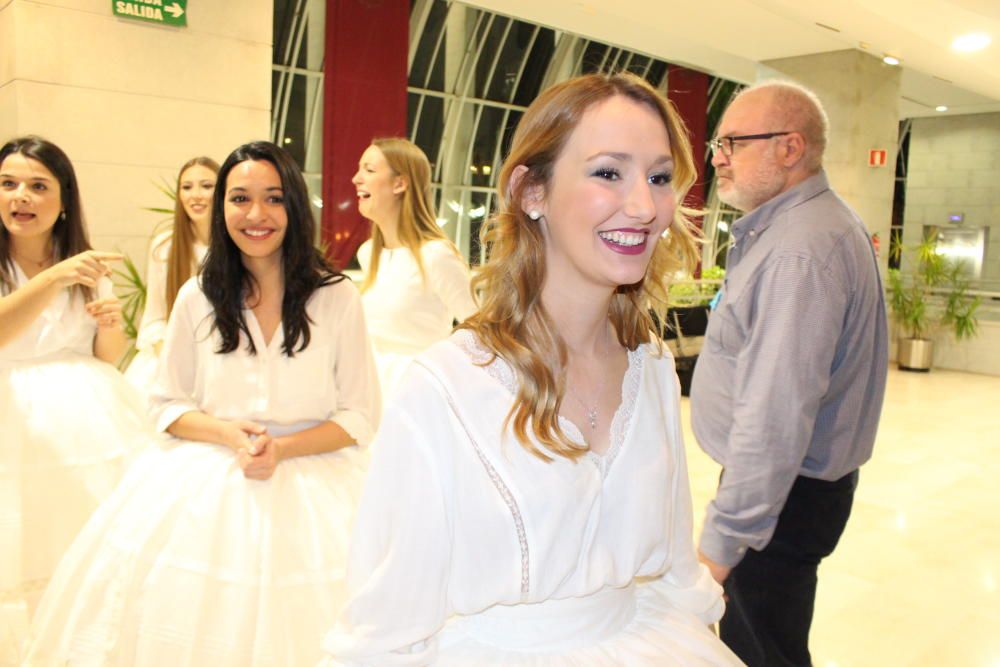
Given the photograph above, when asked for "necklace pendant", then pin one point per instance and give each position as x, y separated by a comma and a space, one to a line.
592, 417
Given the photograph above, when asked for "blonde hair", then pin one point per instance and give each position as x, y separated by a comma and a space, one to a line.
417, 221
181, 263
512, 322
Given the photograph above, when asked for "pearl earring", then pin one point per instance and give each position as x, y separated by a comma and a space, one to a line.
534, 215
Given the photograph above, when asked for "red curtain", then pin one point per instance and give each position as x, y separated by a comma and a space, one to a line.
688, 90
364, 97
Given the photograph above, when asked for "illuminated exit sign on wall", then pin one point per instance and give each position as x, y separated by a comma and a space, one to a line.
164, 12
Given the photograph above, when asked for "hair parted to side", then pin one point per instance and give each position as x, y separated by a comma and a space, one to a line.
227, 283
512, 321
417, 221
797, 108
181, 260
69, 234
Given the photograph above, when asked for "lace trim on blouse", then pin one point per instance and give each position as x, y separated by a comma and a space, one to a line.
502, 372
500, 485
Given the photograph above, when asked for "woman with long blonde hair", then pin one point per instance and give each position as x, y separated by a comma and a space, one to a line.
528, 500
416, 281
174, 256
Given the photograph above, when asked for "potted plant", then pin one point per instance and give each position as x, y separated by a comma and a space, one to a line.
933, 297
687, 319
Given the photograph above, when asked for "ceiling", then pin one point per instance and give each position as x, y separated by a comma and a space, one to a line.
737, 35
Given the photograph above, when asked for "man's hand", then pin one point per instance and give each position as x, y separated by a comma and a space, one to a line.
718, 572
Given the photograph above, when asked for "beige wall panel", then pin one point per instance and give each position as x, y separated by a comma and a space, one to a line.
115, 196
140, 58
8, 45
248, 20
8, 111
124, 129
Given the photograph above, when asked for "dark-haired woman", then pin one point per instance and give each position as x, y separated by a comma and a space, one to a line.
67, 417
226, 547
174, 256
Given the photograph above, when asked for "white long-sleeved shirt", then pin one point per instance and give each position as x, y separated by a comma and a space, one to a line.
456, 518
153, 325
333, 379
407, 314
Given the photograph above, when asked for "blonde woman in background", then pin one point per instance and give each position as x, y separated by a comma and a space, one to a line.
416, 282
174, 256
527, 501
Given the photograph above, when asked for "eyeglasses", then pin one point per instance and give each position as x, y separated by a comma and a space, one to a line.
727, 144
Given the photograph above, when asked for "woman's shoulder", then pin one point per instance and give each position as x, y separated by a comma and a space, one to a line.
190, 294
436, 248
159, 247
336, 289
364, 255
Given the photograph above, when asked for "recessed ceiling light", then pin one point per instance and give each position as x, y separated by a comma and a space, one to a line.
890, 60
974, 41
940, 107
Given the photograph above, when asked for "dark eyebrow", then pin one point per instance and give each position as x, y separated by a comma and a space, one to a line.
243, 189
32, 178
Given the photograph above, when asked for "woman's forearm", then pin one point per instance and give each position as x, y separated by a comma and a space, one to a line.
23, 306
326, 437
110, 344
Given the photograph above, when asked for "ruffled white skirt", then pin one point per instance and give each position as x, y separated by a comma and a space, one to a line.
636, 626
68, 424
191, 564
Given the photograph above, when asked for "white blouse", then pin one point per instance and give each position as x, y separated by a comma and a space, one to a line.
63, 327
332, 379
456, 520
154, 317
407, 314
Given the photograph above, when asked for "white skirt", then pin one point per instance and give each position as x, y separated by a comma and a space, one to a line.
68, 424
191, 564
635, 626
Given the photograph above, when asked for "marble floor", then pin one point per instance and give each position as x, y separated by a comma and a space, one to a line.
915, 581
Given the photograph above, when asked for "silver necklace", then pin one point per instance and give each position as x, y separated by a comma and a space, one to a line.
591, 410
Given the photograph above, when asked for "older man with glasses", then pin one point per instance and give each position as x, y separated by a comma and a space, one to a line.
788, 388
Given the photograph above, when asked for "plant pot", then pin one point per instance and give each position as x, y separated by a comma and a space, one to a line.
685, 372
915, 354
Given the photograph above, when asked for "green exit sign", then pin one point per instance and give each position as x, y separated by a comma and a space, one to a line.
164, 12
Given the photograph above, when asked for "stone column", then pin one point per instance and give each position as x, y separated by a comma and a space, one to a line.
130, 101
861, 96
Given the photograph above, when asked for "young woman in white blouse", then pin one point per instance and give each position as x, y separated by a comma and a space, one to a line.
527, 501
416, 281
226, 547
174, 256
67, 417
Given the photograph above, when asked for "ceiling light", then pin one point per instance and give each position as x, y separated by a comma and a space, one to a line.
940, 107
890, 60
974, 41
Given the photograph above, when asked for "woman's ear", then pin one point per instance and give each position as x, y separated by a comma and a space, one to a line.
532, 197
399, 185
